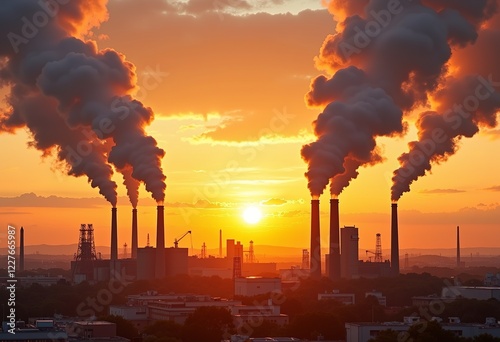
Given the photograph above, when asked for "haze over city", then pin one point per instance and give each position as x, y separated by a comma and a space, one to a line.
230, 90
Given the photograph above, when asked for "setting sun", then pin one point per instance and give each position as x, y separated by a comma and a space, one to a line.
252, 215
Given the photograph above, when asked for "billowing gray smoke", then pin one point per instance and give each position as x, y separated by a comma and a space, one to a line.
386, 59
42, 59
465, 106
132, 185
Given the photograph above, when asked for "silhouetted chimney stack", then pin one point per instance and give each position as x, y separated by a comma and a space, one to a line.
220, 243
134, 234
458, 246
315, 251
334, 251
394, 240
160, 243
114, 234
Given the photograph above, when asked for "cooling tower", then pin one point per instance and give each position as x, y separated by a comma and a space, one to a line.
160, 243
315, 251
334, 250
134, 233
114, 235
394, 240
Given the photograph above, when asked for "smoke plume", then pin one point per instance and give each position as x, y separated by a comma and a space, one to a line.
467, 102
44, 55
132, 186
386, 59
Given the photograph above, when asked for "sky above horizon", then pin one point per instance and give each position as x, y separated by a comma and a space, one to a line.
227, 86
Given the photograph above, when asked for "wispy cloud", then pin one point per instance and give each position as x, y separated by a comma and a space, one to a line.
274, 201
31, 200
493, 188
441, 191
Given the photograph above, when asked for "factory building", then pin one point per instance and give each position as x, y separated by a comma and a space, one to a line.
349, 256
150, 307
252, 286
342, 259
344, 298
364, 332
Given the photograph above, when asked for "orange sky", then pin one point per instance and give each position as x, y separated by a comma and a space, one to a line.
228, 92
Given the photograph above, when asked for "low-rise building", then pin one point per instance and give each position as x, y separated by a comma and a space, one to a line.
471, 292
363, 332
137, 315
344, 298
252, 286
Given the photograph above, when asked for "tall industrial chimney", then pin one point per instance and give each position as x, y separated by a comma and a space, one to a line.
315, 251
160, 243
220, 243
334, 250
21, 251
114, 235
394, 240
134, 233
458, 246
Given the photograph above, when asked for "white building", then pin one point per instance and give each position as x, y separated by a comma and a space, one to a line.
252, 286
249, 314
344, 298
349, 252
137, 315
363, 332
471, 292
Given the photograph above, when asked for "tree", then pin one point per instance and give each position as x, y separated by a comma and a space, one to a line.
385, 336
207, 324
164, 330
484, 338
124, 328
432, 331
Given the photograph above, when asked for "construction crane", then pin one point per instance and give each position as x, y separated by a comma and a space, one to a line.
177, 240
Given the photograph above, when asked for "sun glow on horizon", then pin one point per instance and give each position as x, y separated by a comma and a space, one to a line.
252, 214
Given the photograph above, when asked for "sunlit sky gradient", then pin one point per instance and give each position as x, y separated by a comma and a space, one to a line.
228, 91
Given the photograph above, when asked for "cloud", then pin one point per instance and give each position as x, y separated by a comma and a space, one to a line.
493, 188
274, 201
291, 213
248, 61
14, 213
441, 191
31, 200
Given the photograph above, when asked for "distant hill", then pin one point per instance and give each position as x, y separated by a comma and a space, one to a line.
267, 251
55, 249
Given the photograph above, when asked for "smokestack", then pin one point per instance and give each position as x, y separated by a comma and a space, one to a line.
334, 251
458, 246
315, 251
114, 235
220, 243
160, 243
21, 251
134, 233
394, 240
